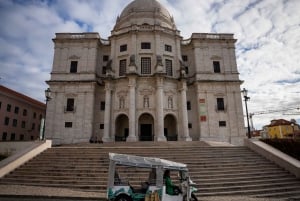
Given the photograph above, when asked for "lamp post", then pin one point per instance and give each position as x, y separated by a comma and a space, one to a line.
48, 98
246, 98
293, 130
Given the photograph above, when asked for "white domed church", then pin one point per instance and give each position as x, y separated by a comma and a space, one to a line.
144, 83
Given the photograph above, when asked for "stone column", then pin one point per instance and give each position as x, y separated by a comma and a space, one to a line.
159, 110
132, 109
106, 136
185, 128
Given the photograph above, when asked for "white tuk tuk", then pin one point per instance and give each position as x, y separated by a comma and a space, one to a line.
154, 188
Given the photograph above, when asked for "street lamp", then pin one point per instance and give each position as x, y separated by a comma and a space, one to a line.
48, 94
246, 98
292, 124
48, 98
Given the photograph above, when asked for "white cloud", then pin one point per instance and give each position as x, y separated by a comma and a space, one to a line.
268, 33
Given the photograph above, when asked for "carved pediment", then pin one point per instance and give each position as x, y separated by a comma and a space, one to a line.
71, 95
74, 57
170, 93
215, 57
122, 93
146, 91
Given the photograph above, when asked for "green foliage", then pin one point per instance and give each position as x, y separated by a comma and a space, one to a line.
288, 146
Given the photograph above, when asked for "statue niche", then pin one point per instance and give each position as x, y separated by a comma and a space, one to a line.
132, 65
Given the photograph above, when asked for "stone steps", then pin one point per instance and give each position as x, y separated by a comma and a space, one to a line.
217, 170
275, 192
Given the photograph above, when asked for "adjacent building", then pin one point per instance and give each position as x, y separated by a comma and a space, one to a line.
20, 116
281, 128
144, 83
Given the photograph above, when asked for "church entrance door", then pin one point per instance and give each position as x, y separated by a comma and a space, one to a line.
122, 125
146, 132
170, 130
146, 127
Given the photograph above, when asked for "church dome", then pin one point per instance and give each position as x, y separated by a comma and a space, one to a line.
141, 12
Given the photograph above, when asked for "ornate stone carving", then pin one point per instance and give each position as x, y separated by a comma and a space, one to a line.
159, 65
122, 93
109, 71
132, 65
74, 57
146, 92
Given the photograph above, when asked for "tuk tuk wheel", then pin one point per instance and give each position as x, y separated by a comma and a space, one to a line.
123, 198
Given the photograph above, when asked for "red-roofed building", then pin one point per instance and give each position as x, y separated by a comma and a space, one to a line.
281, 128
20, 116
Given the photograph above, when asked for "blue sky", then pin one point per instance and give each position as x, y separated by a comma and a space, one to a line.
268, 33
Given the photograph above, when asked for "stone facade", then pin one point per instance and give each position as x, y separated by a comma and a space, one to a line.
144, 83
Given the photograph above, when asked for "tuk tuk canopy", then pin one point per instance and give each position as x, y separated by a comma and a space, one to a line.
146, 162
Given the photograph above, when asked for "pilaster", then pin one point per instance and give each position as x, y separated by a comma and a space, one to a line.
159, 110
185, 128
107, 114
132, 108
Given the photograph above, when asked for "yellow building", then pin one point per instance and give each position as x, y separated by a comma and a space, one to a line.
280, 128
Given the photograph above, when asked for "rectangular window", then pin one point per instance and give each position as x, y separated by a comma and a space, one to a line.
12, 136
21, 137
187, 70
146, 46
24, 112
68, 124
70, 104
168, 48
15, 123
184, 58
23, 125
102, 105
101, 126
33, 126
188, 105
222, 123
0, 104
73, 67
4, 136
169, 67
105, 57
216, 65
8, 108
34, 115
220, 104
190, 125
16, 110
123, 48
103, 70
122, 67
145, 65
6, 121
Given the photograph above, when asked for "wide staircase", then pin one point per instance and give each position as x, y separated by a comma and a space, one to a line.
221, 170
